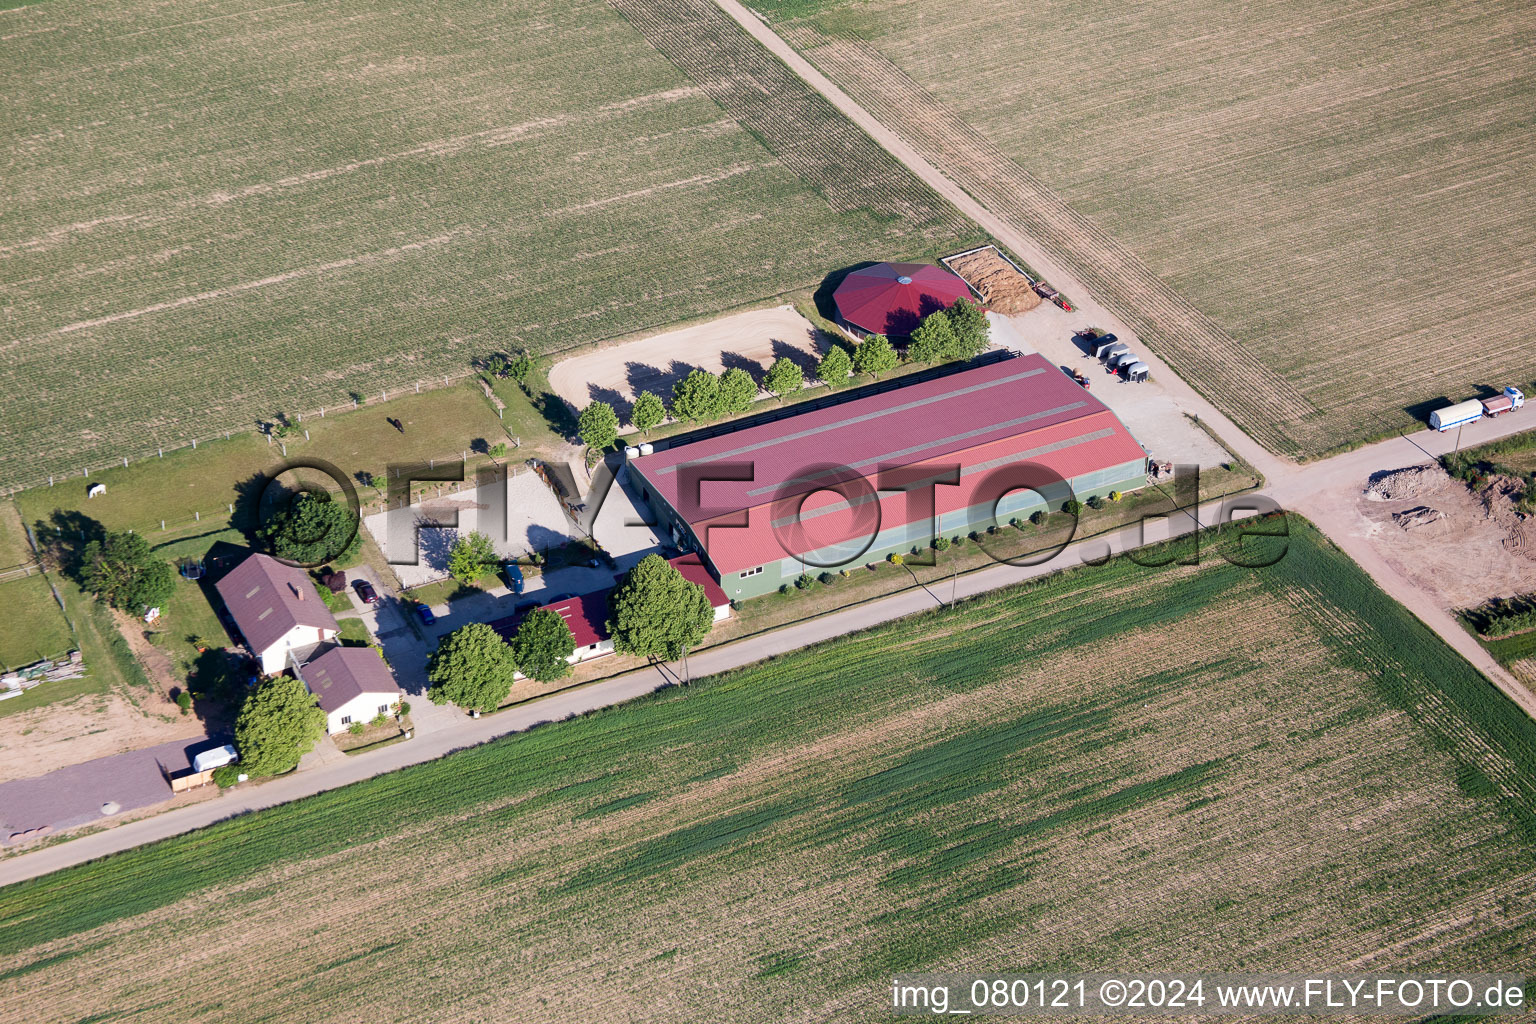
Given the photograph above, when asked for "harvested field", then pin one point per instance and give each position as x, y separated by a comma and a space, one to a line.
1318, 780
1004, 289
218, 213
1315, 213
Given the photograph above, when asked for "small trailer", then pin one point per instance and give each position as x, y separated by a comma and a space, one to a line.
1102, 344
1137, 372
1472, 410
1109, 354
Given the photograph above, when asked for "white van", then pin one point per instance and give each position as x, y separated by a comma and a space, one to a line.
218, 757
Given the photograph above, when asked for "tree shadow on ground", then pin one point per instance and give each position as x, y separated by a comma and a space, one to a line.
825, 304
217, 681
621, 405
63, 537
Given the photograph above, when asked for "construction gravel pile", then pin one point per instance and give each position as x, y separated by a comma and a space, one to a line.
1404, 483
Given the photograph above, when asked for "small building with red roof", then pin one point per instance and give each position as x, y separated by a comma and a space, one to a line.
893, 298
855, 481
586, 615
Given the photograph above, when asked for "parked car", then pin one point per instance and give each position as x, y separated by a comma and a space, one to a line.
426, 614
366, 592
514, 577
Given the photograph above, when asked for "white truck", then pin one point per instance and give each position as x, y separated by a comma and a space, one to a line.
1475, 409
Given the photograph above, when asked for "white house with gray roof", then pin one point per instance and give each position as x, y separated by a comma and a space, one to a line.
277, 610
352, 684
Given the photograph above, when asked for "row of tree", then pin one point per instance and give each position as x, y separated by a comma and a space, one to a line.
958, 332
655, 612
701, 396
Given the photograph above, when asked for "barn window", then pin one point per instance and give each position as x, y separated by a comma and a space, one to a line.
346, 719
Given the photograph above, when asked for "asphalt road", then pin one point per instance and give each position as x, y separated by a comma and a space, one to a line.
1324, 491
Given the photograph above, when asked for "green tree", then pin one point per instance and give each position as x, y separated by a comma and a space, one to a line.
184, 701
737, 391
226, 775
874, 355
496, 364
696, 397
471, 555
598, 426
542, 644
648, 412
519, 367
971, 328
277, 725
784, 377
123, 571
472, 667
657, 612
313, 528
934, 339
835, 367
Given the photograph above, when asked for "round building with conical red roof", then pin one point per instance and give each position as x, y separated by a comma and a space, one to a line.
893, 298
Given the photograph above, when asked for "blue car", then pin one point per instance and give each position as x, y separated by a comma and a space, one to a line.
514, 577
426, 614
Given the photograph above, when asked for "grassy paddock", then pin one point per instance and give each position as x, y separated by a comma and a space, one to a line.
921, 795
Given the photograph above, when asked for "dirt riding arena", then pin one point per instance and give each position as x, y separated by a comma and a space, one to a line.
751, 341
1460, 545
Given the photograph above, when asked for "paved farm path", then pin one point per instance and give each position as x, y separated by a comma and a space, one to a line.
1324, 491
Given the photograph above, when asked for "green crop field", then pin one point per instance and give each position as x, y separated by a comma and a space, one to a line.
217, 212
1118, 767
1319, 213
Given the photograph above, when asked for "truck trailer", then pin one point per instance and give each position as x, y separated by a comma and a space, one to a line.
1474, 409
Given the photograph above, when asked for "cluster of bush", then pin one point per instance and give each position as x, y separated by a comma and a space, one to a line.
1503, 617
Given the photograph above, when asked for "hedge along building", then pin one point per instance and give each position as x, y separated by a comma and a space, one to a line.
884, 474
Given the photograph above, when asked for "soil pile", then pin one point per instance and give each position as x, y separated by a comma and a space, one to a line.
1397, 485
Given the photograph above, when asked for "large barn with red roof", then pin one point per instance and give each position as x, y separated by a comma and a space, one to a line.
892, 298
856, 481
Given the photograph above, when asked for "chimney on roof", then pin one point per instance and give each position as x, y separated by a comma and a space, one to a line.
298, 591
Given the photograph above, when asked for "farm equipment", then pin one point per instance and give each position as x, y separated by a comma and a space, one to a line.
1061, 300
1077, 375
1473, 409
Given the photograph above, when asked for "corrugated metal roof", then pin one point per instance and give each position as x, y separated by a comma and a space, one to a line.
692, 569
586, 615
268, 598
1016, 410
892, 298
342, 673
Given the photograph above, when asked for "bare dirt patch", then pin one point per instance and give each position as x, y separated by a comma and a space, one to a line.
749, 341
38, 741
1460, 545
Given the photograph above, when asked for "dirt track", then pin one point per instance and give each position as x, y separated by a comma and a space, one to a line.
1326, 491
